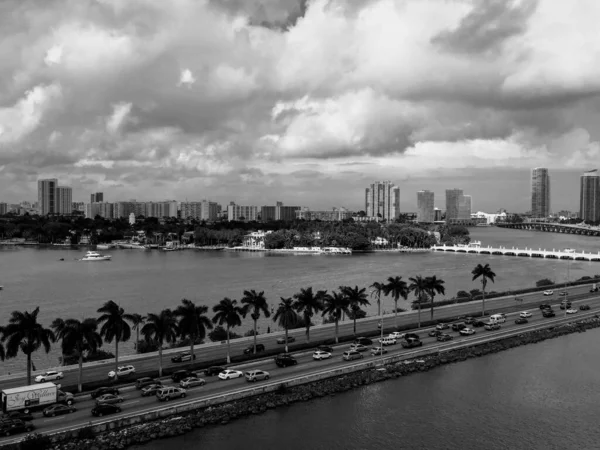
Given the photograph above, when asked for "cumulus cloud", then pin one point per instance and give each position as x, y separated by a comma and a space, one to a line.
118, 117
186, 78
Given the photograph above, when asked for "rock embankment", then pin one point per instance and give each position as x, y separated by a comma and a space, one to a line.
284, 396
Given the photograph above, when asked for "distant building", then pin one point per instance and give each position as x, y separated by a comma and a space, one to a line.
425, 208
131, 219
255, 239
382, 200
3, 209
458, 206
47, 196
589, 197
335, 214
98, 197
78, 206
242, 213
278, 212
437, 214
540, 192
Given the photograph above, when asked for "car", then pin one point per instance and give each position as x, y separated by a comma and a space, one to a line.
478, 323
57, 410
229, 374
105, 409
548, 292
105, 390
20, 415
377, 351
290, 339
467, 331
13, 426
319, 355
491, 326
584, 307
170, 392
545, 306
563, 293
519, 299
411, 342
548, 313
408, 336
358, 347
435, 333
151, 389
259, 348
145, 381
187, 383
256, 375
183, 357
469, 320
396, 335
122, 371
351, 355
285, 360
442, 326
525, 314
387, 341
458, 326
571, 311
363, 341
214, 370
565, 305
379, 325
109, 398
325, 348
179, 375
444, 337
594, 289
48, 376
521, 320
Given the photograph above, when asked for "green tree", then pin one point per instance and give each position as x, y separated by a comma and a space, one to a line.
193, 322
286, 316
228, 313
334, 306
485, 273
419, 286
434, 286
58, 325
377, 289
114, 326
255, 303
396, 287
137, 321
308, 303
158, 329
356, 298
25, 333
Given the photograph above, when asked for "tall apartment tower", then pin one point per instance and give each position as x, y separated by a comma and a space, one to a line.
382, 200
589, 197
452, 199
540, 192
64, 200
47, 196
425, 207
98, 197
464, 207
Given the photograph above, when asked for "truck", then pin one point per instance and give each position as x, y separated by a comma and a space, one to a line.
31, 398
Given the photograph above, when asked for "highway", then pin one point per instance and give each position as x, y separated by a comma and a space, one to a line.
135, 403
146, 363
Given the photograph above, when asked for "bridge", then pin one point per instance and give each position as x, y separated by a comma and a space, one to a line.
476, 248
552, 228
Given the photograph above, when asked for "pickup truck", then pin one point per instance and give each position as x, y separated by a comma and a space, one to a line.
412, 343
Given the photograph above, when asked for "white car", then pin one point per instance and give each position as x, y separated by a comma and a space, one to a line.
376, 351
122, 371
548, 293
319, 355
396, 335
228, 374
387, 341
358, 348
571, 311
49, 375
525, 315
467, 331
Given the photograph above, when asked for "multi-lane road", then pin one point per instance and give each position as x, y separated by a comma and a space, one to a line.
217, 351
134, 403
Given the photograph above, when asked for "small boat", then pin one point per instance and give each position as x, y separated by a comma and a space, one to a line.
95, 256
132, 245
105, 246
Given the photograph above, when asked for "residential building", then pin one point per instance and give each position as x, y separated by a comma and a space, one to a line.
540, 192
158, 209
98, 197
256, 239
241, 213
589, 197
458, 206
425, 208
278, 212
3, 209
382, 200
47, 196
209, 211
78, 206
335, 214
437, 214
64, 200
267, 213
190, 210
464, 207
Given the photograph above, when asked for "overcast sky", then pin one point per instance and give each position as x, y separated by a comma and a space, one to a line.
306, 102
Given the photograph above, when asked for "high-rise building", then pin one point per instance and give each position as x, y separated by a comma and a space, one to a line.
382, 200
464, 207
589, 196
425, 207
540, 193
458, 205
98, 197
437, 214
241, 213
64, 200
47, 196
203, 210
3, 209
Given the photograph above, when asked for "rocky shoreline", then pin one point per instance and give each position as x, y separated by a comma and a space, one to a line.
284, 396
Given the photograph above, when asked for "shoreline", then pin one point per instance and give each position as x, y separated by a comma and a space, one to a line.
285, 395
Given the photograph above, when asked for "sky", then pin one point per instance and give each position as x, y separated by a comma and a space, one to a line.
305, 102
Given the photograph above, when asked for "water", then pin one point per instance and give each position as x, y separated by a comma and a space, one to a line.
542, 396
148, 281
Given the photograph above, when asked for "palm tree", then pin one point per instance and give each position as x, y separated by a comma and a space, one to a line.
420, 287
397, 287
193, 322
158, 329
24, 333
255, 303
229, 313
58, 325
79, 336
286, 316
356, 298
376, 289
2, 353
335, 305
308, 303
485, 272
137, 320
434, 286
115, 326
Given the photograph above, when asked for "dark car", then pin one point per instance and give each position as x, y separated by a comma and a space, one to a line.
444, 337
151, 390
105, 390
325, 348
408, 336
290, 339
14, 426
521, 320
565, 305
363, 341
411, 343
17, 415
563, 293
181, 374
435, 333
146, 381
594, 289
214, 370
548, 313
259, 348
57, 410
105, 409
458, 326
584, 307
285, 360
469, 320
545, 306
478, 323
182, 357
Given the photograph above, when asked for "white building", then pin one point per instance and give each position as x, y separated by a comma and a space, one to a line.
256, 239
131, 219
490, 218
242, 213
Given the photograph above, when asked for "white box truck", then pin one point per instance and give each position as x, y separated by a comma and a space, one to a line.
29, 398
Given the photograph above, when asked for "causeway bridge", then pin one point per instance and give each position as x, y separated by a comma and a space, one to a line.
552, 228
476, 248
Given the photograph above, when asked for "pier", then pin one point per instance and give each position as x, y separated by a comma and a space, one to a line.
550, 227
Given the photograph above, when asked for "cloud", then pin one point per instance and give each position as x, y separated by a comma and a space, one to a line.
186, 78
119, 116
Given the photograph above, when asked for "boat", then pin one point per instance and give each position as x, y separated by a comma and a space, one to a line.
483, 225
132, 245
105, 246
95, 256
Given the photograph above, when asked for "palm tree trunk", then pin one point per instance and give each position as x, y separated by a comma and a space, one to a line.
137, 336
28, 368
396, 312
431, 308
80, 380
354, 324
228, 357
255, 337
192, 348
378, 306
483, 297
116, 356
419, 319
286, 338
336, 331
160, 361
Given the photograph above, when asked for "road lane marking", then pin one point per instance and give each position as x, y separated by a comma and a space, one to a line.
55, 418
129, 402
